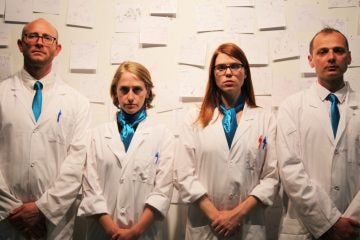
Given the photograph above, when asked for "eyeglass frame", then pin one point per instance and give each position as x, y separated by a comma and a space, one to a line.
228, 66
38, 36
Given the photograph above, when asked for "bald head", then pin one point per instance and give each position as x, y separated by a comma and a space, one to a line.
40, 23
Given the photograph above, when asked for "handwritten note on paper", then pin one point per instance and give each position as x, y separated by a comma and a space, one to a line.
124, 46
163, 7
5, 36
83, 56
342, 3
193, 52
284, 46
354, 43
92, 86
154, 30
239, 3
192, 82
5, 68
337, 23
81, 13
262, 80
47, 6
204, 9
19, 11
307, 17
270, 14
167, 97
256, 49
127, 17
240, 19
2, 7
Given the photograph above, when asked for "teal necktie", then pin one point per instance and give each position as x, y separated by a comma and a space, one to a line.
37, 101
128, 124
229, 121
334, 112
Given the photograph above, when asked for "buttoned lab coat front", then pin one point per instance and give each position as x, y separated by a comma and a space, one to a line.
205, 164
121, 183
41, 161
320, 174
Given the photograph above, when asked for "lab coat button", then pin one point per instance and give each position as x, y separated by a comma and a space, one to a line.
121, 181
336, 152
337, 188
122, 211
32, 164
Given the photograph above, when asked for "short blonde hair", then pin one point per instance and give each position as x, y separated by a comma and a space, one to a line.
141, 72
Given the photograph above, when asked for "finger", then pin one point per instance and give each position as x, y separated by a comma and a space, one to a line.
16, 210
354, 222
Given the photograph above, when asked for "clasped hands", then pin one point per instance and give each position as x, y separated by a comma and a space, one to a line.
226, 223
28, 220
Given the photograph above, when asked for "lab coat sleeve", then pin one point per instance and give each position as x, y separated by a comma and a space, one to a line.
186, 181
353, 210
93, 201
160, 196
312, 204
56, 201
7, 200
267, 188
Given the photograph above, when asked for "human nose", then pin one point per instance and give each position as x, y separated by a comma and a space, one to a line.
331, 56
228, 72
130, 96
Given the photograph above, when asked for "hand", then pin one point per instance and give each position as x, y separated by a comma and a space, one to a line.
28, 220
343, 229
227, 223
125, 234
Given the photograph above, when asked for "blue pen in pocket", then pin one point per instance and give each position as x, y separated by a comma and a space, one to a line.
58, 116
157, 157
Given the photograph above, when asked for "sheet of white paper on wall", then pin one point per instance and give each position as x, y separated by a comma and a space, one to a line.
342, 3
127, 17
5, 35
307, 17
192, 52
354, 44
209, 15
262, 80
47, 6
2, 7
81, 13
283, 87
270, 14
239, 3
163, 7
83, 56
240, 19
214, 39
192, 82
167, 97
284, 46
124, 46
91, 86
154, 30
19, 11
5, 67
256, 49
304, 62
337, 23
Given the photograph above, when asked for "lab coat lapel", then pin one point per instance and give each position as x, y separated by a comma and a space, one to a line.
244, 124
113, 141
351, 110
139, 136
315, 107
217, 120
19, 93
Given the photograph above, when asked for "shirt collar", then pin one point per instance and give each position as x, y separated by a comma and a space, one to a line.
48, 81
340, 94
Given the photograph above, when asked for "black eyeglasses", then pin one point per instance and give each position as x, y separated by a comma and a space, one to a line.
220, 69
34, 38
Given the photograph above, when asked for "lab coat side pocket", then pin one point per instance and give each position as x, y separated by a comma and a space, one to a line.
292, 229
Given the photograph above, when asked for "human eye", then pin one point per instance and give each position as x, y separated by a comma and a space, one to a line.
322, 51
221, 67
137, 90
339, 50
47, 37
124, 90
236, 66
32, 35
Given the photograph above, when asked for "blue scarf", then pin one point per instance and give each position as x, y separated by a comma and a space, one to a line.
128, 124
229, 121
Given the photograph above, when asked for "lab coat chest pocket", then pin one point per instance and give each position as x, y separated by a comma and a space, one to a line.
353, 142
61, 130
145, 168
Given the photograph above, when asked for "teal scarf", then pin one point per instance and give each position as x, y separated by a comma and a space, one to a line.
229, 121
128, 125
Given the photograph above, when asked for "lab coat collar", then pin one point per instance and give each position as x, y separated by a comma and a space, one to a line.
248, 115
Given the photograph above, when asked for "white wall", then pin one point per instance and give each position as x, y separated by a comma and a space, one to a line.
162, 61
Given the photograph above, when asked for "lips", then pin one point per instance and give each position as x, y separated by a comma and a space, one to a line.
332, 68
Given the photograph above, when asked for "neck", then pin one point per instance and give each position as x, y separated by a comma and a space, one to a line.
37, 72
230, 100
334, 85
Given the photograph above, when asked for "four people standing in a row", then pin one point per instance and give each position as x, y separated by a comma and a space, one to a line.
226, 163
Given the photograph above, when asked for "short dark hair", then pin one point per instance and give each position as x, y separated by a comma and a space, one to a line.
327, 30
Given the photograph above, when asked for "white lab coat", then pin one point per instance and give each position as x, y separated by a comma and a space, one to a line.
41, 161
121, 183
204, 164
320, 174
